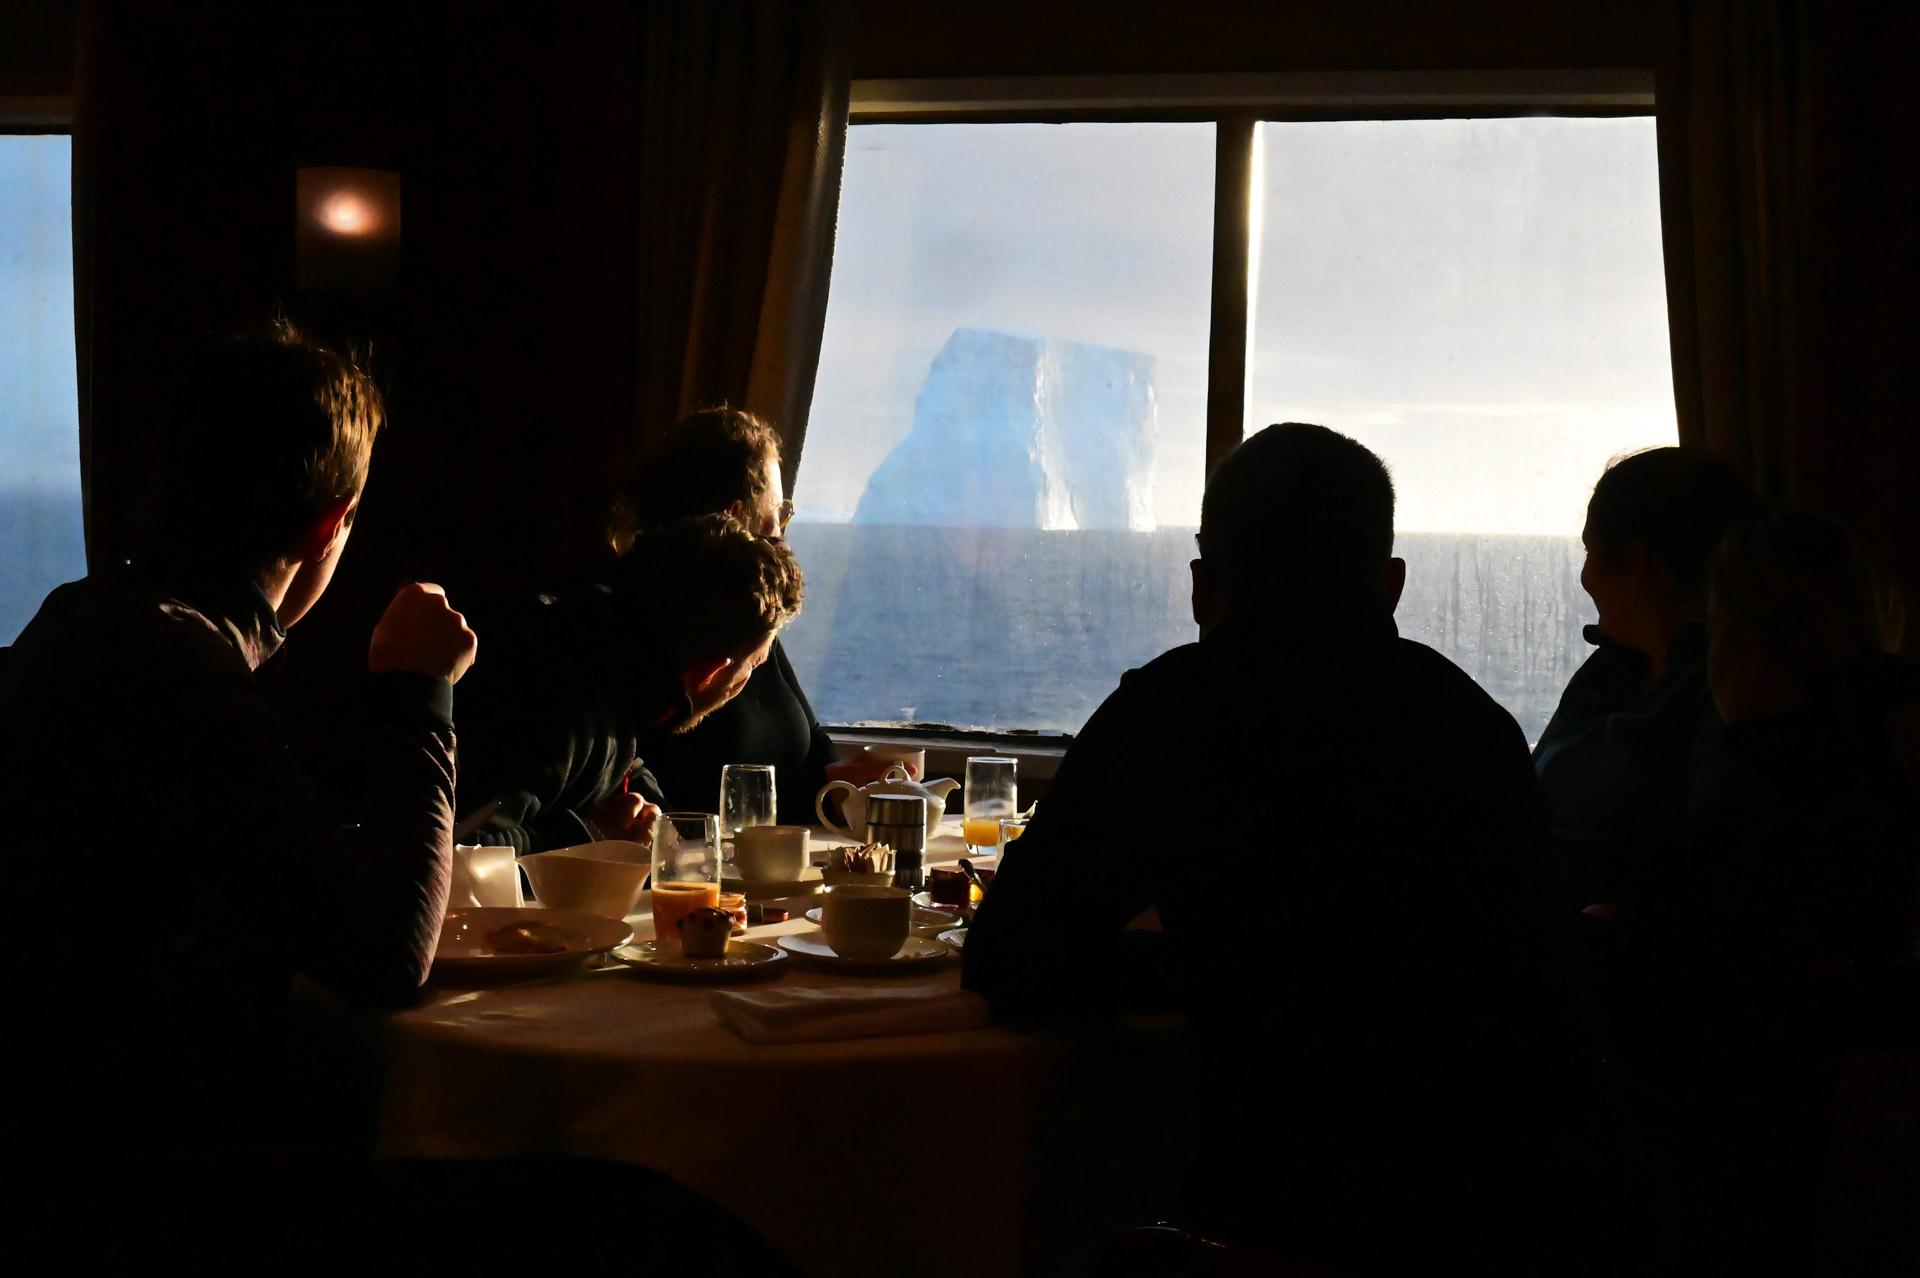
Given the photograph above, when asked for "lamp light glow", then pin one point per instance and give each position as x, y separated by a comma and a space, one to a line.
347, 213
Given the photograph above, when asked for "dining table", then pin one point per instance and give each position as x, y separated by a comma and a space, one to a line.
911, 1134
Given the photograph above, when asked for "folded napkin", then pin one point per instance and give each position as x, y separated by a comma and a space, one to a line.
815, 1016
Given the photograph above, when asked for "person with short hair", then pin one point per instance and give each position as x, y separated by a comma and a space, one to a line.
577, 688
1340, 837
1614, 760
150, 790
726, 460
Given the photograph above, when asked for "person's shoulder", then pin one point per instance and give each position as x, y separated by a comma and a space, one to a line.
1175, 666
101, 618
1442, 687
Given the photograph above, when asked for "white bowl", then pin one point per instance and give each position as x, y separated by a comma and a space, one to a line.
593, 878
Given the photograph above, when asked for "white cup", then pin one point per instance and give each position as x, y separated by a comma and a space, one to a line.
772, 853
862, 922
913, 759
484, 877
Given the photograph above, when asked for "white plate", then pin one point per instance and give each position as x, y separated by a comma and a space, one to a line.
464, 952
743, 959
925, 920
957, 938
919, 951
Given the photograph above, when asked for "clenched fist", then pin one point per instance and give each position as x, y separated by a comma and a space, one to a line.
422, 633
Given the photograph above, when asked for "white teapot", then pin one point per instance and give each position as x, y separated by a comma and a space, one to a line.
896, 781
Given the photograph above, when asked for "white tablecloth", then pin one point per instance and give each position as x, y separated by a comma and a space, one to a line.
984, 1151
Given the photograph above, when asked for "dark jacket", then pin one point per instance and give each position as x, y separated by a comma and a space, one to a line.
171, 868
1343, 840
1799, 851
1616, 763
557, 712
769, 722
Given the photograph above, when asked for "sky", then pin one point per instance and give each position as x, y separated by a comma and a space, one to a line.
1480, 301
41, 543
39, 423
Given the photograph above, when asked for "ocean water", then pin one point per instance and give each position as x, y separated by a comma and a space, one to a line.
1026, 630
42, 544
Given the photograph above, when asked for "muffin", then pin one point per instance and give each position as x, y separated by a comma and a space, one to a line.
704, 933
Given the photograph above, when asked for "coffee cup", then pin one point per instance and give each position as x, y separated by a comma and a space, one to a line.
771, 853
862, 922
913, 759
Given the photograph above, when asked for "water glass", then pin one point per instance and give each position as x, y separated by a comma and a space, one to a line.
991, 796
686, 871
747, 797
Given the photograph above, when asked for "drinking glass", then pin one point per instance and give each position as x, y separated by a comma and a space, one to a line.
686, 871
991, 795
746, 797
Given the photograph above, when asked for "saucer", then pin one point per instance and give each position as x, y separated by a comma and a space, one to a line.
925, 919
956, 937
917, 952
742, 960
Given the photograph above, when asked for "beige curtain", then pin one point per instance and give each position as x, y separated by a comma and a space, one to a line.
1735, 157
743, 121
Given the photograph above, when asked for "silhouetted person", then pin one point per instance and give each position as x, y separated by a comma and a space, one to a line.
727, 461
1341, 835
1614, 761
1728, 975
577, 688
1801, 835
169, 869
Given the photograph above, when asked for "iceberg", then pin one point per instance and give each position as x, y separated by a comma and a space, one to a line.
1015, 431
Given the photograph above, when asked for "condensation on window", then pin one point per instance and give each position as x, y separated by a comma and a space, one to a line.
1006, 448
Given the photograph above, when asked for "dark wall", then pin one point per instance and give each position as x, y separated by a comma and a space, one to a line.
1026, 37
36, 46
506, 346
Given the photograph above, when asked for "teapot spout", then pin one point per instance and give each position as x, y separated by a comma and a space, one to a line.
942, 788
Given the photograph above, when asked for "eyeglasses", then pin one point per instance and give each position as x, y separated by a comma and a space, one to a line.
786, 514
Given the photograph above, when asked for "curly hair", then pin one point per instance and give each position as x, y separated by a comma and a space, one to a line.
717, 590
705, 463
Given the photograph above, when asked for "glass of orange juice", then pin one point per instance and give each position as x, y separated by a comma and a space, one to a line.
991, 796
686, 871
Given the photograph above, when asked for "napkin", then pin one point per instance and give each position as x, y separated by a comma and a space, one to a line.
817, 1016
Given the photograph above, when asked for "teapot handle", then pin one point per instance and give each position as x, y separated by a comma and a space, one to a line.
820, 806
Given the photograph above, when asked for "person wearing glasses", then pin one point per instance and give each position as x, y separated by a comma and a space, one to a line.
727, 461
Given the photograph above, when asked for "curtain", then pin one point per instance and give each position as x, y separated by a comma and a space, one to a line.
1735, 152
742, 130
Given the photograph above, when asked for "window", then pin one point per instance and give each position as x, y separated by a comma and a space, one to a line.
1011, 423
1483, 304
41, 541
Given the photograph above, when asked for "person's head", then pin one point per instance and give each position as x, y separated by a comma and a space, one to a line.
1791, 601
271, 438
1652, 522
719, 461
1298, 518
716, 595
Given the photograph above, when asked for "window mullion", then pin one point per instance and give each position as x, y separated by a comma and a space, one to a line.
1232, 247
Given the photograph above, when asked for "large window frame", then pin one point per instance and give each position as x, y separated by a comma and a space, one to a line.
1235, 103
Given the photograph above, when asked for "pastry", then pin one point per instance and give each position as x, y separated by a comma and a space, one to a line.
704, 933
